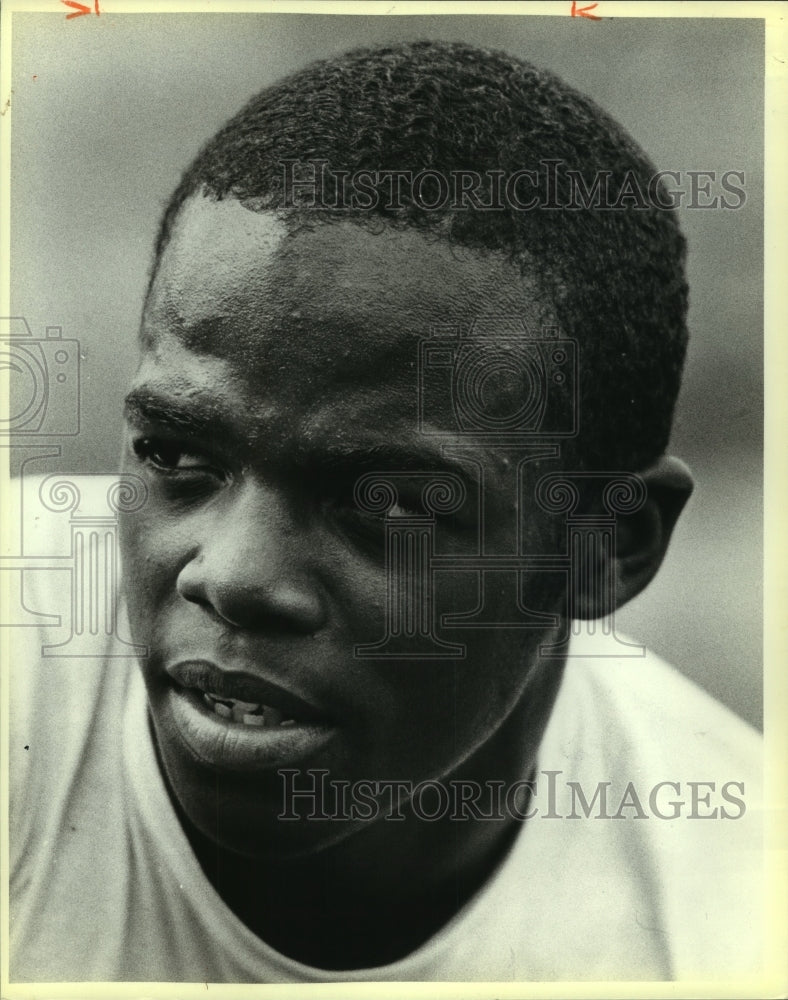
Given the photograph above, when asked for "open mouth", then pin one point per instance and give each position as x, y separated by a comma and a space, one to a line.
237, 720
242, 697
248, 713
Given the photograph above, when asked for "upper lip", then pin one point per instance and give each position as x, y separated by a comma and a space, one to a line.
205, 676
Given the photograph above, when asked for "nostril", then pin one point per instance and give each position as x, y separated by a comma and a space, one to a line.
252, 598
281, 608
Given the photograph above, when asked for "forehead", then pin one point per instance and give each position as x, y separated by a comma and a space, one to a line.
239, 283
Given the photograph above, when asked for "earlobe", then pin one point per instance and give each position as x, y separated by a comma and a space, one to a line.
641, 540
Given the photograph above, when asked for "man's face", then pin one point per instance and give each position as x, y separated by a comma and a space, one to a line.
277, 369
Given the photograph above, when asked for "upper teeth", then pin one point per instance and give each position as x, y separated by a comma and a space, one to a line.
251, 713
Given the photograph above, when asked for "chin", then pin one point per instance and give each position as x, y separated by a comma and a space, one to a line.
272, 839
250, 820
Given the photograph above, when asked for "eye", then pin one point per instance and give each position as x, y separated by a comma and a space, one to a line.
170, 456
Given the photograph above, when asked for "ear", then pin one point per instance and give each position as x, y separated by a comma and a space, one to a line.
642, 538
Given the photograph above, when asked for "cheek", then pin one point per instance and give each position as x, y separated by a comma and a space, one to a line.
433, 715
152, 552
357, 594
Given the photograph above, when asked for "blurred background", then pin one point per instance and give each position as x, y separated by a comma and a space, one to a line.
107, 112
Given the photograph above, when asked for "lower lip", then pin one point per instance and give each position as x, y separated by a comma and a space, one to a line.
233, 746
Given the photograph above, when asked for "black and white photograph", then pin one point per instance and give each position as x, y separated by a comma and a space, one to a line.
389, 392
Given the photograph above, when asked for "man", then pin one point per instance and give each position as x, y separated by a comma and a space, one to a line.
324, 343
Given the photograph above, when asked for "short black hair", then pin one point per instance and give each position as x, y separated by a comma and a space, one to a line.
614, 278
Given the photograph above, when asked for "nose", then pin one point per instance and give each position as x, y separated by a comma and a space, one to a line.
252, 565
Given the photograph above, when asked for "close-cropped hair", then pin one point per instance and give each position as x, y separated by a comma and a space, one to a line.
613, 275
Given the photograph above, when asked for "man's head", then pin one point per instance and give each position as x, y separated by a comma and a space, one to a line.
280, 365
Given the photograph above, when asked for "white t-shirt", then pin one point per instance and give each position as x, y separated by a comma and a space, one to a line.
105, 886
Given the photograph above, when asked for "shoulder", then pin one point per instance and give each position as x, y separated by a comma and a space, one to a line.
645, 708
670, 783
66, 682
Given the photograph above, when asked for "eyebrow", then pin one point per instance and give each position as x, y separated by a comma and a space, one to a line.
147, 405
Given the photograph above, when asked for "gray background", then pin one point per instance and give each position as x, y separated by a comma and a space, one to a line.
108, 110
